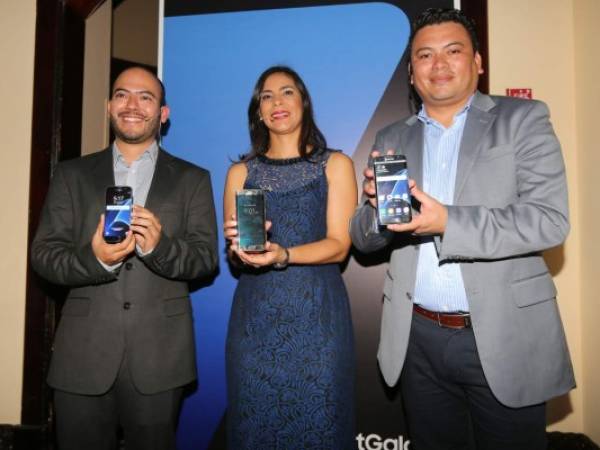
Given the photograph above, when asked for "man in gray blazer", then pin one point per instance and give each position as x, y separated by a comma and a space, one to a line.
470, 321
124, 347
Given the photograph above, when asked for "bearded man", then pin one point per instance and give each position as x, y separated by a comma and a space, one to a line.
124, 347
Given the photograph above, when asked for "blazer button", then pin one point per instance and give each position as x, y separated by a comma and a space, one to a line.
409, 295
126, 305
128, 266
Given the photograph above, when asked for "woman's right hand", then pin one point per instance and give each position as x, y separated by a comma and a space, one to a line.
231, 232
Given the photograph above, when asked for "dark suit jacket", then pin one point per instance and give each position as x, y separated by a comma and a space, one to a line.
510, 204
143, 309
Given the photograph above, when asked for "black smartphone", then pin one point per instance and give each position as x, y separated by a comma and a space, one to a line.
117, 215
250, 212
391, 185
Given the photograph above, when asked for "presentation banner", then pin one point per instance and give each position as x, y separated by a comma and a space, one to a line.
351, 55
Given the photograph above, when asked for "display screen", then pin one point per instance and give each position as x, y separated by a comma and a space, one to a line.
117, 217
393, 195
250, 209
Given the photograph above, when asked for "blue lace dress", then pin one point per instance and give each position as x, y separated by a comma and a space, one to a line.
290, 344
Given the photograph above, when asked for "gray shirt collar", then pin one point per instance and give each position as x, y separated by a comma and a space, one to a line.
150, 152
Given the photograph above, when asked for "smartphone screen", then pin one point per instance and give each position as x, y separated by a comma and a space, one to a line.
117, 216
250, 211
391, 184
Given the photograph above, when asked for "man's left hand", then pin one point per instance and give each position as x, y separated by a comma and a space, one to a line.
432, 218
146, 228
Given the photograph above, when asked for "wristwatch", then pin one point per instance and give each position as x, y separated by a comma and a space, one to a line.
284, 264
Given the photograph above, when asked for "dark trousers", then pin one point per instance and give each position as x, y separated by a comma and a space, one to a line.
91, 422
449, 405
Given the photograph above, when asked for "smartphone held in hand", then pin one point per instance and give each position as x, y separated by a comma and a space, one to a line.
117, 215
392, 192
250, 212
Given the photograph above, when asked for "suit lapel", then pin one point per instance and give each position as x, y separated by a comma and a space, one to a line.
411, 144
479, 121
102, 176
161, 181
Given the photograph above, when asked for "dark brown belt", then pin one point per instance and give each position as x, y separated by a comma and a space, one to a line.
456, 320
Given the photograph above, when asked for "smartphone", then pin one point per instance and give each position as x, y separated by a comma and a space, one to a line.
391, 186
117, 215
250, 212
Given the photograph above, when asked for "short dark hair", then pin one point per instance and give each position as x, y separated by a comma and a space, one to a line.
310, 135
436, 16
163, 93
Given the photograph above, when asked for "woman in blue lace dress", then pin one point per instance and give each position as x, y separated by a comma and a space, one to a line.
290, 345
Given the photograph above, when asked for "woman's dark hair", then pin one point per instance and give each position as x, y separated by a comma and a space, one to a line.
310, 135
436, 16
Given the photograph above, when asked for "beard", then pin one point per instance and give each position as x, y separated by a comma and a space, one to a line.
150, 130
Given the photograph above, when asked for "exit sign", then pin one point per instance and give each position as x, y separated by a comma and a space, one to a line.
520, 92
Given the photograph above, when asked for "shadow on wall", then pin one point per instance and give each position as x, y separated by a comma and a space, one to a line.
555, 259
558, 408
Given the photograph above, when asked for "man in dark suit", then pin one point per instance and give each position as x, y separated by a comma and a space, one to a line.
124, 347
470, 321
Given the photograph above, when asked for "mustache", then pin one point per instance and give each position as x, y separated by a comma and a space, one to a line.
135, 114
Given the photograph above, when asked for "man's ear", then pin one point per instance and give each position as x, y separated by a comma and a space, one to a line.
410, 74
478, 63
164, 113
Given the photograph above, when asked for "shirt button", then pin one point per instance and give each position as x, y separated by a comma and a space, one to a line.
126, 305
128, 266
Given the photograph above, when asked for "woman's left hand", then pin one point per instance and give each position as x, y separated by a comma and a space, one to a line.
274, 253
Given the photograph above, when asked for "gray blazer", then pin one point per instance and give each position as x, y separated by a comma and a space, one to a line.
143, 309
510, 204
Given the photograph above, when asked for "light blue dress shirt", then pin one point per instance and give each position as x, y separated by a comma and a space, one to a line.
137, 175
440, 287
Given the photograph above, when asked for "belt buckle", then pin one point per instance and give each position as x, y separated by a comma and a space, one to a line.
437, 313
467, 319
